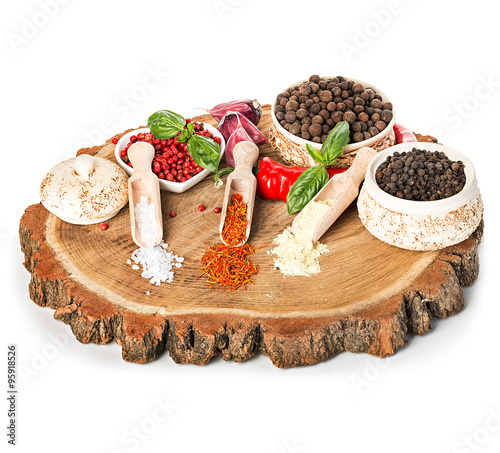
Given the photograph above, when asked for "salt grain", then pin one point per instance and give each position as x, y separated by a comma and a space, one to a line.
156, 262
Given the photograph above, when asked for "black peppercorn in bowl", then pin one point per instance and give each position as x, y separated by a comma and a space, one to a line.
307, 111
420, 196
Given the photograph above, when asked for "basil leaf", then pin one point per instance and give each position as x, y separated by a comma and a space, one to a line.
334, 144
303, 190
204, 151
184, 137
315, 154
165, 124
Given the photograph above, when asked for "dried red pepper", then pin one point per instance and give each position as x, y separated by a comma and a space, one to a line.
274, 179
403, 134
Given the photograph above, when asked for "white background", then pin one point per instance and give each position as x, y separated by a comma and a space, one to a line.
64, 83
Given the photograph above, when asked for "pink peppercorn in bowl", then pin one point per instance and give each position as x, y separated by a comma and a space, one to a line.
420, 225
169, 186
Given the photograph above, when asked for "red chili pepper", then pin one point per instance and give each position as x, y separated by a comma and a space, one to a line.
274, 179
403, 134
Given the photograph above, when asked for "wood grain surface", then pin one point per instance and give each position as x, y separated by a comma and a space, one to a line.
367, 298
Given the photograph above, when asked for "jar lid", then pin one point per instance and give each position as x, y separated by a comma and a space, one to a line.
85, 190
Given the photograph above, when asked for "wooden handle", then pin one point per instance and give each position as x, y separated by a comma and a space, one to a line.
245, 155
141, 155
357, 170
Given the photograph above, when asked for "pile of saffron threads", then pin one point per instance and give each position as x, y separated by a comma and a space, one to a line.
228, 266
235, 223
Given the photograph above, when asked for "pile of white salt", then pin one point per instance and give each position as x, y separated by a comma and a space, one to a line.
157, 263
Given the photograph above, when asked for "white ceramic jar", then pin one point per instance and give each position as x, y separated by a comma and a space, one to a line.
420, 225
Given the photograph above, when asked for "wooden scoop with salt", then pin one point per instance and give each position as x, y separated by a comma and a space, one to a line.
144, 182
241, 181
337, 194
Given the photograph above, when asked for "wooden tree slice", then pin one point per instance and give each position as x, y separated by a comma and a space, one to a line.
368, 296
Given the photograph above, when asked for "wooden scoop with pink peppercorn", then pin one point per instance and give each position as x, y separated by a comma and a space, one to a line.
144, 182
343, 188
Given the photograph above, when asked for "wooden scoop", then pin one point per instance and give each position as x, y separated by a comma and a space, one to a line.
343, 188
241, 181
143, 182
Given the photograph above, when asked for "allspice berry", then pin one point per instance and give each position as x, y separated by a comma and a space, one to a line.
315, 109
290, 116
291, 106
314, 87
380, 125
363, 117
315, 129
302, 113
317, 119
325, 114
358, 137
356, 127
305, 89
331, 106
350, 117
325, 96
386, 116
337, 116
294, 128
357, 88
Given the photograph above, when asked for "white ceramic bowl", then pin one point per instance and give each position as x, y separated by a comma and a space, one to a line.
291, 145
420, 225
170, 186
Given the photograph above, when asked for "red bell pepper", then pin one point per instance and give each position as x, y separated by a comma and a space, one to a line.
274, 179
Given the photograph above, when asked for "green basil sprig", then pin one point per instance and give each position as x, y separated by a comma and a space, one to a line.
311, 181
307, 185
205, 152
165, 124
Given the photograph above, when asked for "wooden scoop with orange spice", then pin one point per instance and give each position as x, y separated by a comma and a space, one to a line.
339, 193
239, 196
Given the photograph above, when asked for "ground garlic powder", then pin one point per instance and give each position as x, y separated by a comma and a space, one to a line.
297, 254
